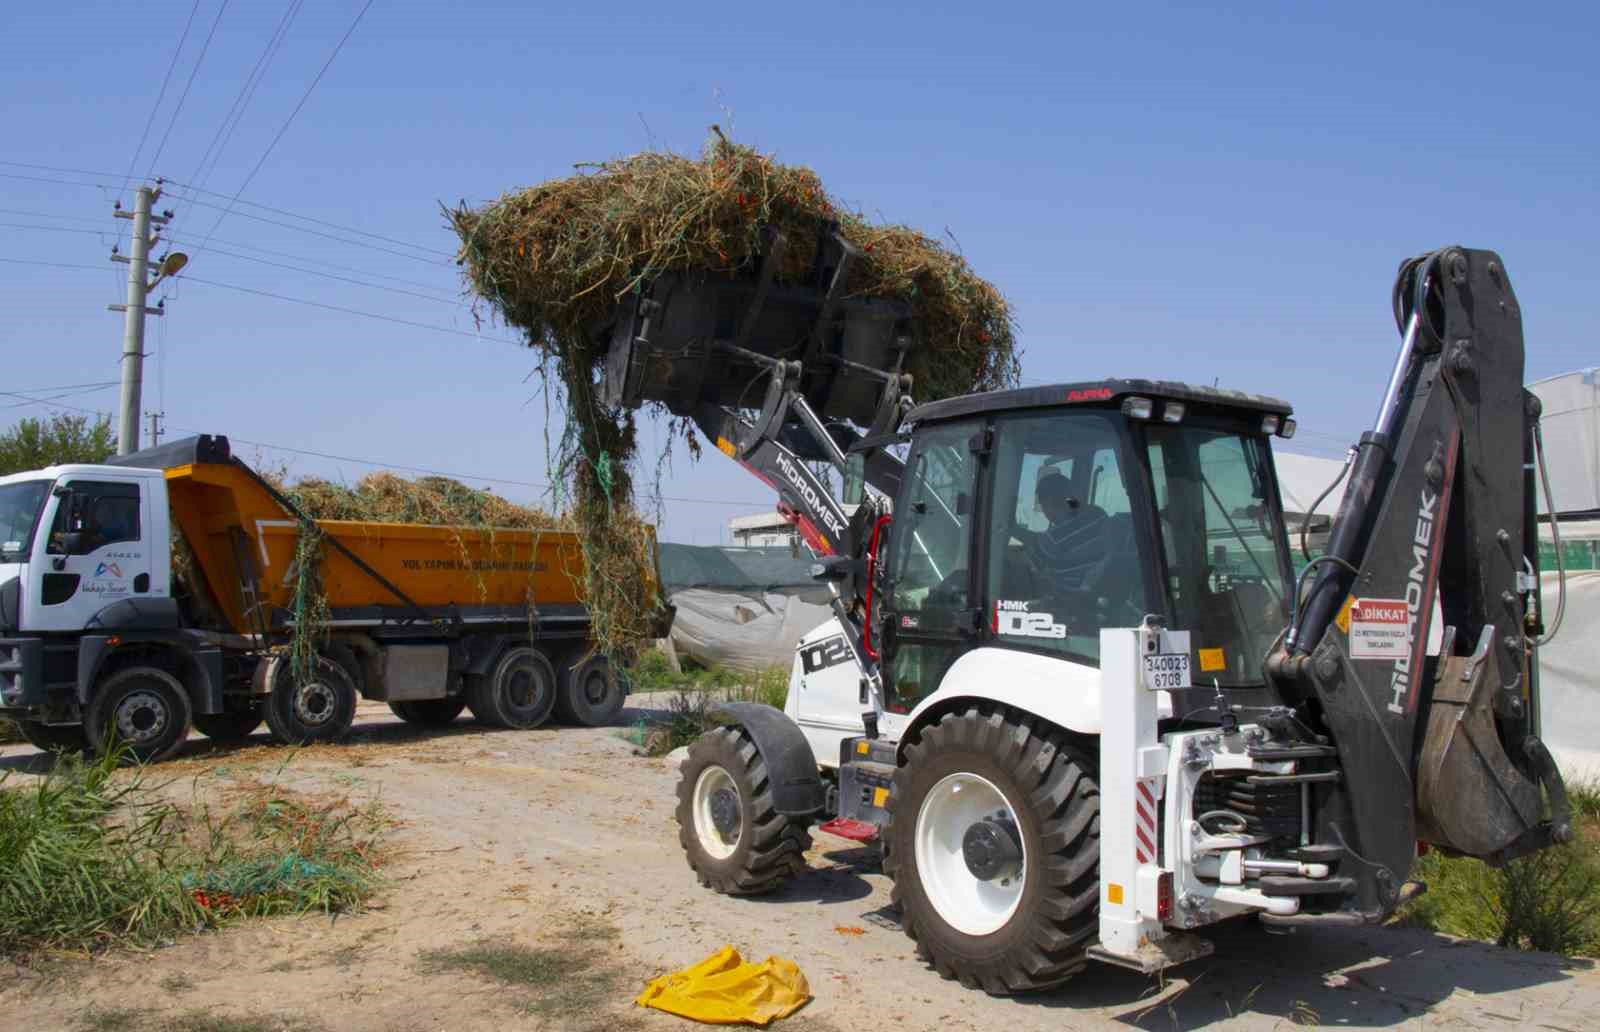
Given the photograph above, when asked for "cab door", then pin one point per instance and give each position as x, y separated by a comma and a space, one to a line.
931, 613
92, 549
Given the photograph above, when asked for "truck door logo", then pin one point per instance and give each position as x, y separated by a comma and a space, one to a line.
824, 654
108, 569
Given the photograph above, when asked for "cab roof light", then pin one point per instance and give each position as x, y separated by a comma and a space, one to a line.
1269, 424
1286, 431
1138, 408
1172, 412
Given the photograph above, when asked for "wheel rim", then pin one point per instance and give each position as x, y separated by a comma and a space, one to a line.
141, 717
969, 904
596, 687
714, 792
315, 704
528, 692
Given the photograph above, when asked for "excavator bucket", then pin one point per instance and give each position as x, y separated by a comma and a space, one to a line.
1470, 797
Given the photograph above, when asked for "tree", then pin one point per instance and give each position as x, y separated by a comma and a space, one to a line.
36, 443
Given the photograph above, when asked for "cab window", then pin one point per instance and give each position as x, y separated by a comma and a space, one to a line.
1063, 553
93, 515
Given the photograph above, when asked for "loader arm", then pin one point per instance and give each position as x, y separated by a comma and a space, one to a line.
1438, 506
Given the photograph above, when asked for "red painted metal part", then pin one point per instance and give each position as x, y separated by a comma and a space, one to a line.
856, 831
872, 570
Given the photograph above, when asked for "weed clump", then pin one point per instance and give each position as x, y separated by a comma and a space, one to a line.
698, 696
96, 857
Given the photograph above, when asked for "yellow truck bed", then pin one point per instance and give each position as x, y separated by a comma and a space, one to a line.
244, 544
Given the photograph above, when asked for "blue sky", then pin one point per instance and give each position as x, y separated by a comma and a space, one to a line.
1161, 190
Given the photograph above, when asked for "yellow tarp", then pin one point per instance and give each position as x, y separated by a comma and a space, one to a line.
724, 990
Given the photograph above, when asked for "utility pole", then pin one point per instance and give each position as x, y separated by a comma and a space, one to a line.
155, 426
134, 312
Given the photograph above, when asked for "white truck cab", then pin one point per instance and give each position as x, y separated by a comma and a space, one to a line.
77, 539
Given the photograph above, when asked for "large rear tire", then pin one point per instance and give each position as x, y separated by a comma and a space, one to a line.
732, 837
993, 844
319, 710
141, 709
429, 712
519, 693
591, 694
52, 738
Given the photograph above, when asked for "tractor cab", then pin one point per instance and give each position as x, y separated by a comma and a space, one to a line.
1028, 520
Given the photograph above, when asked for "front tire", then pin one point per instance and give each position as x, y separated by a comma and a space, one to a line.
320, 709
429, 712
734, 840
142, 709
52, 738
993, 844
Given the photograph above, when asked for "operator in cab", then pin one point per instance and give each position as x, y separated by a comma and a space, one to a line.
1073, 545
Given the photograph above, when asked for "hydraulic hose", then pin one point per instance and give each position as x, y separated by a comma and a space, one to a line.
1555, 534
1305, 524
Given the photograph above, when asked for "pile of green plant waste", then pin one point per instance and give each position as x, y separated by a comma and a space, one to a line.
554, 261
437, 501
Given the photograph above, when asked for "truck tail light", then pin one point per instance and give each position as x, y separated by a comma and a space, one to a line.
1164, 897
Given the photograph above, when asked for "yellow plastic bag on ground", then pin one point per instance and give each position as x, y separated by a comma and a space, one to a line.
724, 990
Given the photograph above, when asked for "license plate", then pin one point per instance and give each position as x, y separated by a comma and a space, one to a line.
1164, 671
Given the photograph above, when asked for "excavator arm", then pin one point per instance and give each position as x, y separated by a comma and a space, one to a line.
1439, 511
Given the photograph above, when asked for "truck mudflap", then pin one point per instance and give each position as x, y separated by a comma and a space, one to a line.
1471, 798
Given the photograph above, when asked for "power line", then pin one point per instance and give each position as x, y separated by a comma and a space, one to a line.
204, 49
302, 229
311, 261
160, 96
343, 279
315, 221
59, 182
247, 92
290, 120
213, 193
350, 311
51, 265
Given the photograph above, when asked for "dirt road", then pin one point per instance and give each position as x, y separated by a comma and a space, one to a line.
522, 836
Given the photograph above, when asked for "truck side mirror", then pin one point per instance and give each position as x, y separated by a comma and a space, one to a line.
75, 542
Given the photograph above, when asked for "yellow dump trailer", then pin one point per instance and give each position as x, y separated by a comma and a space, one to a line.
244, 541
99, 641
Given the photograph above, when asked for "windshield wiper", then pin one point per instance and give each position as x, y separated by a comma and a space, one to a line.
1265, 577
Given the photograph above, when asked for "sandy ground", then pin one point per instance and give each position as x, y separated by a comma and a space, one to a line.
520, 836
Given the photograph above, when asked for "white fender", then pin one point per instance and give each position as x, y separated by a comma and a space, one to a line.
1058, 690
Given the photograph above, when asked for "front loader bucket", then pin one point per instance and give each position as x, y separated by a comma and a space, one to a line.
1470, 797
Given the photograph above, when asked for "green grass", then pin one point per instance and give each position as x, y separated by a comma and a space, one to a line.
574, 982
130, 1020
97, 856
697, 694
9, 732
1549, 901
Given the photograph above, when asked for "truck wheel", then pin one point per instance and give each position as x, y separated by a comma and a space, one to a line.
142, 709
520, 692
429, 712
231, 726
54, 737
591, 693
734, 840
320, 710
993, 844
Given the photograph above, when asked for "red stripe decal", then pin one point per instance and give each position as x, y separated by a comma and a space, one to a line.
1144, 840
1149, 796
